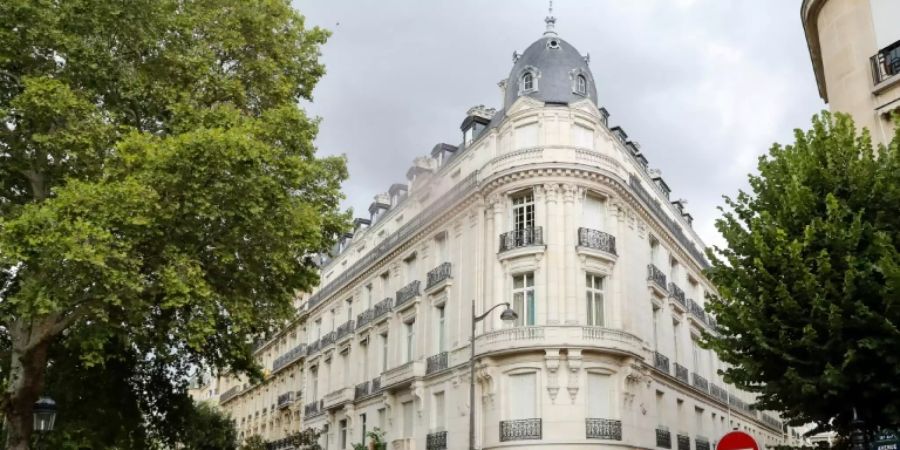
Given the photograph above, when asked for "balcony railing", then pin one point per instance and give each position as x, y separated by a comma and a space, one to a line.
656, 276
362, 390
436, 441
521, 238
438, 274
661, 362
597, 240
407, 293
886, 63
376, 384
328, 339
681, 373
289, 357
364, 318
701, 443
663, 438
676, 293
718, 392
700, 382
314, 347
696, 310
519, 430
383, 307
684, 442
285, 400
229, 394
345, 329
313, 408
603, 429
436, 363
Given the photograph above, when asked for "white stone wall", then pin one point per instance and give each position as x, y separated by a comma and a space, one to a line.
560, 351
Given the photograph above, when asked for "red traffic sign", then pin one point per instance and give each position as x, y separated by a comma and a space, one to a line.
737, 440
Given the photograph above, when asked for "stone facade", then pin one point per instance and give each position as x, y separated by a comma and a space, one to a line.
550, 209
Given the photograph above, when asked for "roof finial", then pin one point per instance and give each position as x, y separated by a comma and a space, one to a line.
550, 21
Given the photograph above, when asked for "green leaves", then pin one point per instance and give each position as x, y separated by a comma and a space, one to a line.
808, 282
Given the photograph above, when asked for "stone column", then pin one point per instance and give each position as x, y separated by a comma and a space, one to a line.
553, 296
570, 263
499, 277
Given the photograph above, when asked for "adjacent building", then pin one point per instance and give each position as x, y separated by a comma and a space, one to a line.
547, 206
855, 51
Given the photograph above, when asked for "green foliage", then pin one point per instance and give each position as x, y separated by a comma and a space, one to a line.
255, 442
160, 195
809, 283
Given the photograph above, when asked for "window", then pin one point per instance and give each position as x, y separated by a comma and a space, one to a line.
314, 382
592, 213
342, 436
522, 396
410, 339
656, 313
523, 211
386, 284
410, 268
382, 422
408, 425
582, 137
441, 330
599, 396
676, 331
368, 294
364, 346
661, 408
384, 352
528, 81
318, 329
440, 243
696, 353
349, 305
595, 300
523, 298
439, 411
362, 420
581, 85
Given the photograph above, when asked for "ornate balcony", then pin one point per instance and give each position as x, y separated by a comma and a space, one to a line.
407, 293
364, 318
313, 409
521, 238
684, 442
229, 394
597, 240
437, 275
603, 429
539, 337
663, 438
345, 330
701, 443
314, 347
676, 293
696, 311
337, 398
519, 430
285, 400
362, 389
681, 373
656, 277
403, 373
383, 307
661, 362
436, 441
436, 363
376, 384
699, 382
718, 392
289, 357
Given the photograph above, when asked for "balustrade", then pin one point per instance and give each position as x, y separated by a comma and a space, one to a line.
663, 438
438, 274
522, 429
661, 362
289, 357
597, 240
383, 307
656, 276
681, 373
701, 443
285, 400
436, 441
407, 293
676, 293
364, 318
603, 429
684, 442
436, 362
345, 330
362, 390
521, 238
699, 382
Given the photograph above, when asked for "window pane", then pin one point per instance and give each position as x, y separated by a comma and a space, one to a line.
518, 281
599, 394
530, 295
519, 307
522, 391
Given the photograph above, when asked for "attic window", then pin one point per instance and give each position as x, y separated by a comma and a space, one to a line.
528, 81
581, 85
553, 43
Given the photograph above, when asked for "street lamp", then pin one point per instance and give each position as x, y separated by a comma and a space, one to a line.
508, 315
44, 414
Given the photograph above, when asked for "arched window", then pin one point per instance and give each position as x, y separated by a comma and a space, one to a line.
581, 85
528, 81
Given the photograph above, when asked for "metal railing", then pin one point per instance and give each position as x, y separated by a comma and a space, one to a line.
661, 362
701, 443
376, 385
229, 394
676, 293
522, 429
289, 357
681, 373
383, 307
521, 238
313, 408
597, 240
696, 310
684, 442
365, 317
438, 274
886, 63
436, 441
699, 382
362, 390
407, 293
603, 429
663, 438
285, 400
656, 276
314, 347
718, 392
436, 362
328, 339
345, 329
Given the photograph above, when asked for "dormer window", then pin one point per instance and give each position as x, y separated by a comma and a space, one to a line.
528, 81
581, 85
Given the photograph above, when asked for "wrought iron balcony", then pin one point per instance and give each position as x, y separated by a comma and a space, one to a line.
597, 240
521, 238
407, 293
314, 347
313, 409
663, 438
438, 274
383, 307
696, 310
681, 373
661, 362
522, 429
603, 429
364, 318
345, 330
771, 421
436, 441
701, 443
436, 363
328, 339
886, 63
684, 442
699, 382
285, 400
656, 276
718, 392
229, 394
676, 293
289, 357
362, 390
376, 384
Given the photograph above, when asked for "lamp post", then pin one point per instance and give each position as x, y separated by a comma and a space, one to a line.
508, 315
44, 416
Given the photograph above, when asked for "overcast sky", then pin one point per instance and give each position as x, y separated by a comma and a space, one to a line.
704, 86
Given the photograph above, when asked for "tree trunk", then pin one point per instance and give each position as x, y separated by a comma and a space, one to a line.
26, 380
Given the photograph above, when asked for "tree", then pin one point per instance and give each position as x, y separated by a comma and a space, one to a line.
209, 429
808, 285
158, 185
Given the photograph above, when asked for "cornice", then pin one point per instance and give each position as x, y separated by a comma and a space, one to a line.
809, 15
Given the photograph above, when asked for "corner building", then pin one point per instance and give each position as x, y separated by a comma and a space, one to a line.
547, 207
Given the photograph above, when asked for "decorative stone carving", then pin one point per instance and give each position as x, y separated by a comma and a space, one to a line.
569, 191
574, 361
418, 392
551, 360
552, 192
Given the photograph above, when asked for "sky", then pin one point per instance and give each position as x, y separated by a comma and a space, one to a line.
705, 86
